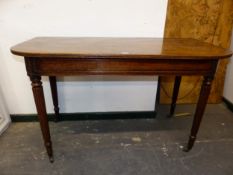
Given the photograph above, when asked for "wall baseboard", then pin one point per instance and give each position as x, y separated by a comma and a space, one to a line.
228, 103
86, 116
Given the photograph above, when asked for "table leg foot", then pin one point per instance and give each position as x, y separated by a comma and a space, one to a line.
51, 159
57, 115
49, 150
190, 144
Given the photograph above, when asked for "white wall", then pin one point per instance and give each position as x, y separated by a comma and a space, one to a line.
4, 113
23, 19
228, 87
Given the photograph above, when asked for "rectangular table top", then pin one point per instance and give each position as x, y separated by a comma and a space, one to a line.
133, 48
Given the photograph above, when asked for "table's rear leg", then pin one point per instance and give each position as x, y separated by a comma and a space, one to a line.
200, 108
42, 115
175, 95
53, 85
157, 100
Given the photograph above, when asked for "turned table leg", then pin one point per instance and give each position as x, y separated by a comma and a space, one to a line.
175, 95
53, 85
42, 115
200, 108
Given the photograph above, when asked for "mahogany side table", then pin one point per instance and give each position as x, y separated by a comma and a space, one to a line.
61, 56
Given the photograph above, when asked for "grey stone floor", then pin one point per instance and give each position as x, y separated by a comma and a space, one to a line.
123, 147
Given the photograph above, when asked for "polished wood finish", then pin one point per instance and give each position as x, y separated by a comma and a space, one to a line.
53, 85
204, 94
175, 95
124, 48
118, 56
42, 115
94, 66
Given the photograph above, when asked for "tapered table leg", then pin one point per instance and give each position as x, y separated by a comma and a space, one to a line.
53, 85
42, 115
200, 108
175, 95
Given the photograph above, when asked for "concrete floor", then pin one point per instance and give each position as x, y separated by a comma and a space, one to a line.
123, 147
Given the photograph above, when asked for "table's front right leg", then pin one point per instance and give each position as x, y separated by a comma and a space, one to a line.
200, 109
42, 115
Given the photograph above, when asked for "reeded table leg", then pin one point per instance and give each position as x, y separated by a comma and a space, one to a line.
42, 115
175, 95
53, 85
200, 108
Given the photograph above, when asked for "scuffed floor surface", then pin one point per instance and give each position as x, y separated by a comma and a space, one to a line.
123, 147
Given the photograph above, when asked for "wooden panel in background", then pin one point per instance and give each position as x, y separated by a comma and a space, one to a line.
206, 20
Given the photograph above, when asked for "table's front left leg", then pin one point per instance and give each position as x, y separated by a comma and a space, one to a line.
42, 114
200, 108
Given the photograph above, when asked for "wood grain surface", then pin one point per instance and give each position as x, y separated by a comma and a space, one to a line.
147, 48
